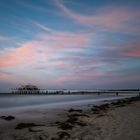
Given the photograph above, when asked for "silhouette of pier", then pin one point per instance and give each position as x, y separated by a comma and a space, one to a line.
31, 89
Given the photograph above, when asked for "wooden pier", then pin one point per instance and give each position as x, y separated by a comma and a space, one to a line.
75, 92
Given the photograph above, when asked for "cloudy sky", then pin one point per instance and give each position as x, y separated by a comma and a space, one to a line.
70, 43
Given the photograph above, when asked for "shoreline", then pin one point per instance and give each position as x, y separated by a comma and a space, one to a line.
19, 108
74, 124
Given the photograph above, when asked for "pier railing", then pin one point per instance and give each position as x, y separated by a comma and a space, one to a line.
75, 92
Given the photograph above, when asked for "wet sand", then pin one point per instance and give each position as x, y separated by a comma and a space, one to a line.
111, 121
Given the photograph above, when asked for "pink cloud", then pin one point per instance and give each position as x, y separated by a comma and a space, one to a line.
134, 53
120, 51
57, 40
46, 46
18, 78
132, 49
43, 27
88, 76
65, 42
128, 49
18, 56
129, 79
108, 18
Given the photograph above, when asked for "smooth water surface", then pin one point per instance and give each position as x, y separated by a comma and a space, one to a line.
12, 101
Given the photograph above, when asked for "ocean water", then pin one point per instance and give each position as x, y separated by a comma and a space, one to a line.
9, 102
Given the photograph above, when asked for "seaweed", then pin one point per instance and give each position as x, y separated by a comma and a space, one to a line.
26, 125
75, 110
65, 126
7, 118
63, 134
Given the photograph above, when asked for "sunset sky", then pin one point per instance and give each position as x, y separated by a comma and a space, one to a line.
70, 43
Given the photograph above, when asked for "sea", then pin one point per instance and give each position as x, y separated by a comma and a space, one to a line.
19, 102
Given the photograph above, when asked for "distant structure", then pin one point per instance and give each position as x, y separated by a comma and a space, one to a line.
26, 89
32, 89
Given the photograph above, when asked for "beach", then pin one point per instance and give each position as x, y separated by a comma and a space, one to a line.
116, 120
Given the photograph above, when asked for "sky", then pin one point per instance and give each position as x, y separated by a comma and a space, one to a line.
70, 44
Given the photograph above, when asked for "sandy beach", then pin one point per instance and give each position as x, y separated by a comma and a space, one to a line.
111, 121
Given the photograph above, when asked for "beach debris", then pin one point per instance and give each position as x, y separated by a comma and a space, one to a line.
33, 130
65, 126
73, 119
57, 122
55, 138
30, 137
43, 137
75, 110
121, 103
78, 115
96, 109
71, 122
7, 118
100, 115
63, 134
27, 125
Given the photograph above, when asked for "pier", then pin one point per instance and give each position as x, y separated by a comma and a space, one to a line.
34, 90
38, 91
